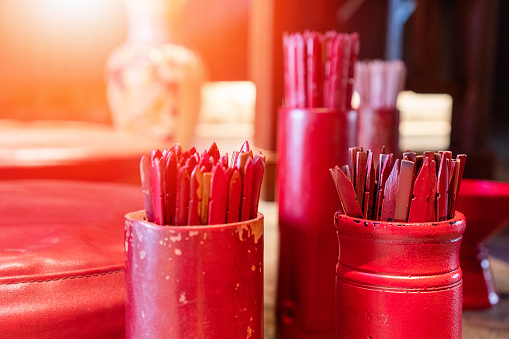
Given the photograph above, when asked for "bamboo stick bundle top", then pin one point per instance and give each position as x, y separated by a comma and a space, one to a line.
319, 69
188, 188
379, 82
417, 188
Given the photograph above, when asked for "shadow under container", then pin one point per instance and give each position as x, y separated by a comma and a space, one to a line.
310, 141
399, 280
193, 281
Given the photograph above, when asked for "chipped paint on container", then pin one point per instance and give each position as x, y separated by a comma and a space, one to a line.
203, 282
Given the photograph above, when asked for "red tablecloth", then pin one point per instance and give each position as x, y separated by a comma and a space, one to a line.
62, 258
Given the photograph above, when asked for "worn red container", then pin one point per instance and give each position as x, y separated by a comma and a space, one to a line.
194, 281
379, 127
399, 280
484, 203
310, 141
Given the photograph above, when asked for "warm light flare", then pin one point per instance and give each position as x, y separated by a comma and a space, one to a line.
59, 8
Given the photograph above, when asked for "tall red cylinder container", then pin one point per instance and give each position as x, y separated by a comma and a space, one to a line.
310, 141
194, 281
399, 280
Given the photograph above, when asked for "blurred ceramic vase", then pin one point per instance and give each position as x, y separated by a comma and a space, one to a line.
153, 84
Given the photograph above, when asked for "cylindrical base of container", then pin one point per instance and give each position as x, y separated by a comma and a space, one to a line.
194, 281
366, 311
399, 280
310, 141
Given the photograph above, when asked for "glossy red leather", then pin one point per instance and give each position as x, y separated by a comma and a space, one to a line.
310, 141
62, 258
484, 204
378, 128
194, 281
399, 280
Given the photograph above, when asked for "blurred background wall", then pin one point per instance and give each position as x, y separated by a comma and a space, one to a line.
53, 52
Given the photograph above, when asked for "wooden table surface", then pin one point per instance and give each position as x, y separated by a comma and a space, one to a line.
486, 324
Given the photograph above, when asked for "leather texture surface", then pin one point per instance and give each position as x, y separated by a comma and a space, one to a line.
62, 258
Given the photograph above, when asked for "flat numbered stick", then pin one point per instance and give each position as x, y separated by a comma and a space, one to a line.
247, 190
205, 198
214, 153
405, 186
157, 183
346, 192
218, 196
145, 169
234, 197
170, 189
259, 169
460, 166
360, 176
183, 185
431, 214
195, 196
421, 192
442, 188
390, 194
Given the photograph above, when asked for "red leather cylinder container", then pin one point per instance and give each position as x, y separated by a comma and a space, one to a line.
194, 281
379, 127
399, 280
310, 141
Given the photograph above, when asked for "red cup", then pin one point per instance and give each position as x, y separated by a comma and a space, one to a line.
310, 141
399, 280
193, 281
485, 204
378, 128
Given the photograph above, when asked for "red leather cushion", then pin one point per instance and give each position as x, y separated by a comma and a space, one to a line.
62, 258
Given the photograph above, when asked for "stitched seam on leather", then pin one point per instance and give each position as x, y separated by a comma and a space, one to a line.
63, 278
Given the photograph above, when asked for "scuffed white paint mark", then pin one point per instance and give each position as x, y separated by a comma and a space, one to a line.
182, 298
167, 277
201, 242
165, 239
249, 332
142, 314
193, 233
178, 252
140, 236
126, 246
251, 319
160, 242
176, 238
142, 254
253, 268
204, 236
